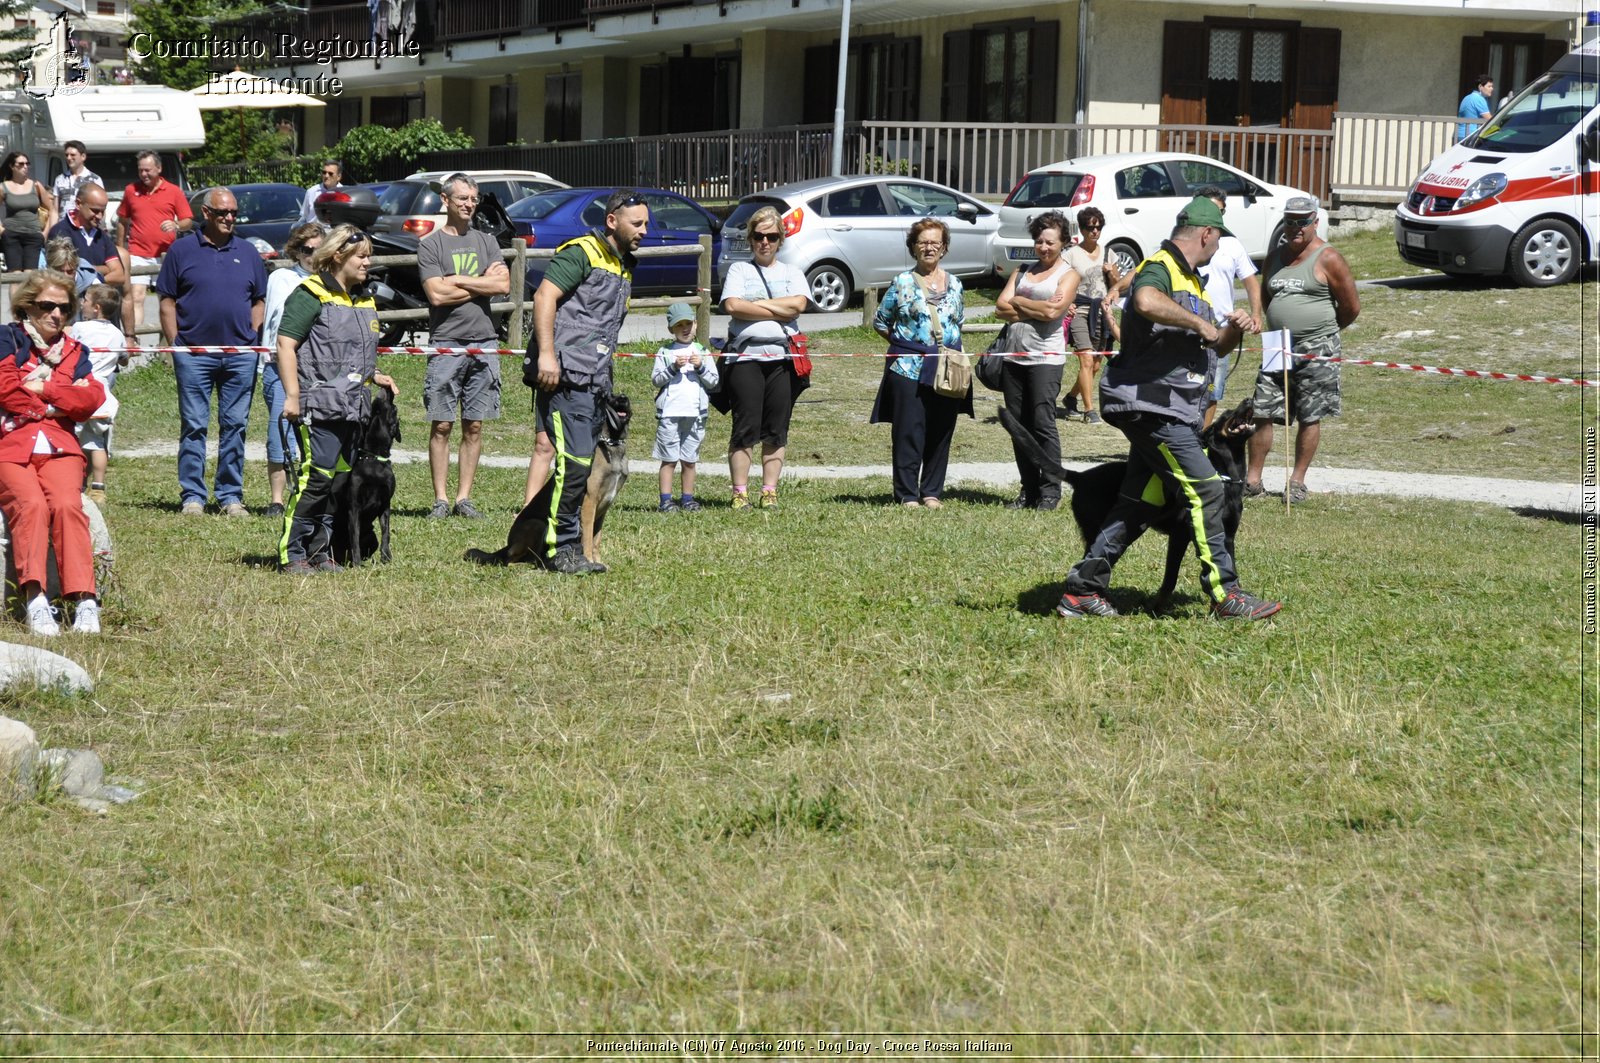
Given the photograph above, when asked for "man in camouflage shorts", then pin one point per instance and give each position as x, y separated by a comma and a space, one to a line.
1309, 290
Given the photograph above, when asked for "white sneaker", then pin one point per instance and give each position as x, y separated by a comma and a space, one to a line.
86, 618
42, 618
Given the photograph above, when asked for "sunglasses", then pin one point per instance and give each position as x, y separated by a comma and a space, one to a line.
49, 307
355, 238
1298, 223
633, 201
1091, 228
763, 238
223, 212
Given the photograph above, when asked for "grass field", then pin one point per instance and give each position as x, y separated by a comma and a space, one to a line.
837, 769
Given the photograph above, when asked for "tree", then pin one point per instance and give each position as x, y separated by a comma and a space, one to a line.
16, 44
178, 20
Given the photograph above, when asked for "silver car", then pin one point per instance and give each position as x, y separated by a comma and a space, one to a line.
849, 233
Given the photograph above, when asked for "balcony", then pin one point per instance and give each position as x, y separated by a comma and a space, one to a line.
598, 8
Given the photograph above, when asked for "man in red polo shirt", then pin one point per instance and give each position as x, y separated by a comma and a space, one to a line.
153, 213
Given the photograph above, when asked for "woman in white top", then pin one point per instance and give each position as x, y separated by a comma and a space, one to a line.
303, 240
1036, 302
764, 297
1092, 327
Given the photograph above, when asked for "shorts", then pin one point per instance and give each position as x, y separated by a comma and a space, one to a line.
463, 383
94, 435
1313, 393
136, 261
1079, 337
679, 439
762, 397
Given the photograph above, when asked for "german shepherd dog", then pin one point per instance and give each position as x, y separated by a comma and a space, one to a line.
1095, 490
363, 495
607, 473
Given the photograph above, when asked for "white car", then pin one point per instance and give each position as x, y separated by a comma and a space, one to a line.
1140, 193
413, 206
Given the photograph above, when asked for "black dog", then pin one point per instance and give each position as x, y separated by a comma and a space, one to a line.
363, 495
607, 473
1095, 490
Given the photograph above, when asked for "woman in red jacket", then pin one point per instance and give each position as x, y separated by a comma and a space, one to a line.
45, 387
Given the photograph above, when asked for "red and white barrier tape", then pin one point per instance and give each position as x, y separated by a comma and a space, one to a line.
1438, 370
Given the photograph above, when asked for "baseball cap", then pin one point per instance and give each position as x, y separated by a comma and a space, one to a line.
679, 312
1201, 211
1300, 205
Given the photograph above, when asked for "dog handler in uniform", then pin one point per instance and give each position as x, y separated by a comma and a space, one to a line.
327, 354
1154, 392
578, 312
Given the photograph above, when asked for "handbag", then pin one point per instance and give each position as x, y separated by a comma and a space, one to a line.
988, 368
953, 376
798, 342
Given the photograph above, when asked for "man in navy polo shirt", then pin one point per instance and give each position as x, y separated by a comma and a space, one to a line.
81, 225
212, 290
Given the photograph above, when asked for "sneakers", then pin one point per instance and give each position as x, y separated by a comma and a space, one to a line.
741, 500
1253, 489
690, 505
932, 503
193, 509
234, 509
1296, 491
1092, 417
42, 618
298, 567
569, 561
328, 564
465, 508
1048, 502
97, 495
440, 510
1022, 501
1240, 604
669, 506
86, 617
1073, 606
274, 510
769, 499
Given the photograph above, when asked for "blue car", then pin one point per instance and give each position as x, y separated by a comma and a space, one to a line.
549, 219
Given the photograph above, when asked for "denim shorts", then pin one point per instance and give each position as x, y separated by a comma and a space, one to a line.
464, 383
679, 438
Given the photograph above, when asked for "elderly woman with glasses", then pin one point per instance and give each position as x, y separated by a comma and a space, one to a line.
327, 355
46, 386
764, 297
922, 310
21, 227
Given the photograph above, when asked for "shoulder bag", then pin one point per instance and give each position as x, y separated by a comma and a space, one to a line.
798, 342
953, 376
988, 368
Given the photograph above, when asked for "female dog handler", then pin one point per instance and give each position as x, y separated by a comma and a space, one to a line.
327, 353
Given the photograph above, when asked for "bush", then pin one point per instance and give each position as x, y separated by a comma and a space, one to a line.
370, 151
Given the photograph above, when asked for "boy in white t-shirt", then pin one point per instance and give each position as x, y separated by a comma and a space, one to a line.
102, 305
685, 372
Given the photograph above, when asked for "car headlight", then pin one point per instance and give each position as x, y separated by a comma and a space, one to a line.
1486, 187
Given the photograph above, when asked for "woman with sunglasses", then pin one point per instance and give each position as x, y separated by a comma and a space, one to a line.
1035, 301
327, 354
47, 386
922, 310
302, 244
1091, 329
21, 227
764, 297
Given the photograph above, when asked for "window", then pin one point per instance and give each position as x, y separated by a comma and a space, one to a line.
343, 116
863, 201
563, 106
1001, 73
103, 7
689, 95
1255, 72
669, 213
920, 201
1513, 59
502, 114
1246, 74
881, 82
1144, 182
1198, 175
396, 111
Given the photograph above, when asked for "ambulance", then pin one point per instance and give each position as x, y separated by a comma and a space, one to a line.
1520, 197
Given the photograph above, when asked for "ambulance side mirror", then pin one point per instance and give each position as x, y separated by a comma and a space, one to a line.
1589, 145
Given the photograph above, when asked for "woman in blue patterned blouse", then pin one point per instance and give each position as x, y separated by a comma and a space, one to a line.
921, 311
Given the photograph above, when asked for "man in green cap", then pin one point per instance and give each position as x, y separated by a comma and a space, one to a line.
1154, 392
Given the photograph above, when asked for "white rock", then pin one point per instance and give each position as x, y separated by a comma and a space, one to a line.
31, 665
79, 772
19, 750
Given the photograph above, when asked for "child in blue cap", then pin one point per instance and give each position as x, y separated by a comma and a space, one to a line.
684, 372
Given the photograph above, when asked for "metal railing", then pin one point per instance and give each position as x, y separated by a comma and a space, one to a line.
1383, 153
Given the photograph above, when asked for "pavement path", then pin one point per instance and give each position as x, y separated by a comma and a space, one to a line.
1530, 494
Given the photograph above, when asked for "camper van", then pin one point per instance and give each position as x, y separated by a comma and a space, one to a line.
1521, 196
115, 123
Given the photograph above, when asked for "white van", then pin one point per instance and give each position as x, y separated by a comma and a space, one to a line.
115, 123
1520, 197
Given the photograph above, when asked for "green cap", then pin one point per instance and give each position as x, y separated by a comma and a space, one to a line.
1202, 211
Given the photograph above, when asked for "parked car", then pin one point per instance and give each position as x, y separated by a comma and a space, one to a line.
266, 213
1140, 193
415, 206
849, 233
551, 218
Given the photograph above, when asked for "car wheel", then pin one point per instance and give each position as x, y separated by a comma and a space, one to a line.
1544, 253
1125, 255
830, 287
1279, 235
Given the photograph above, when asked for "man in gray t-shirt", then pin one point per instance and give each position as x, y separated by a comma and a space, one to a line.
462, 270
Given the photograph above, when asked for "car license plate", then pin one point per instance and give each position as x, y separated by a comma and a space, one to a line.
1416, 240
1024, 254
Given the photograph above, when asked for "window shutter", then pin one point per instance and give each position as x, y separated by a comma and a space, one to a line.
1554, 50
1474, 61
1183, 73
1044, 59
955, 102
1317, 90
821, 83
